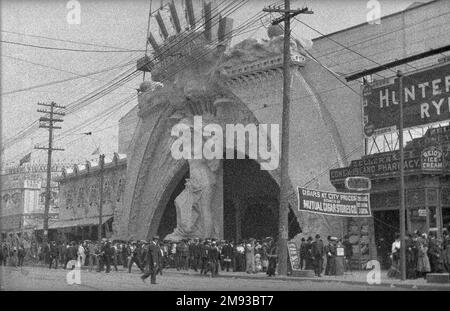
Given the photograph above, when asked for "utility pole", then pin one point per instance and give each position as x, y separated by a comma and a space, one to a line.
48, 121
100, 206
402, 178
284, 180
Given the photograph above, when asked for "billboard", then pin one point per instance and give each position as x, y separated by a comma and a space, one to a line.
426, 100
333, 203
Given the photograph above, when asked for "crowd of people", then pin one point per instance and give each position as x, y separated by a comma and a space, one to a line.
208, 256
425, 253
315, 255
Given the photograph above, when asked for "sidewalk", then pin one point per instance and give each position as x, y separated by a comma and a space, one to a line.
355, 277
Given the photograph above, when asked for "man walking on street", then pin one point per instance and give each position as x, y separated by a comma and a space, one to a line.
134, 257
153, 260
317, 253
107, 254
53, 255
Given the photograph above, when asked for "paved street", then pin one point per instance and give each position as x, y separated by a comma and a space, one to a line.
39, 278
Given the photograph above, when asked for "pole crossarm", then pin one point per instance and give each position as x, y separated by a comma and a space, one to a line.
50, 127
47, 119
54, 105
54, 112
288, 14
47, 148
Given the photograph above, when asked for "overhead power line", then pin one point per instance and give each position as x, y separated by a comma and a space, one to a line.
104, 91
66, 40
51, 83
68, 49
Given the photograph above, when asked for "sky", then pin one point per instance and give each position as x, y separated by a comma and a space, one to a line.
116, 26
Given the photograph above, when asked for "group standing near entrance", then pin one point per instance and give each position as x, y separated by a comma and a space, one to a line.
425, 253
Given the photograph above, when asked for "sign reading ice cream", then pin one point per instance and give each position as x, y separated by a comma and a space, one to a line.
432, 158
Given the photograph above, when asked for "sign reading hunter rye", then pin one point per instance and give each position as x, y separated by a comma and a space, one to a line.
333, 203
427, 100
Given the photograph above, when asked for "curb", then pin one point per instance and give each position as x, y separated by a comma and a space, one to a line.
352, 282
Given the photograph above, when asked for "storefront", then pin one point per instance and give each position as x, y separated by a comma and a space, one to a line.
427, 189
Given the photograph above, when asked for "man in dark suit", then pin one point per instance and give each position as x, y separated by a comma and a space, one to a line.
317, 250
204, 257
134, 257
213, 259
227, 255
54, 255
107, 254
153, 260
197, 254
71, 254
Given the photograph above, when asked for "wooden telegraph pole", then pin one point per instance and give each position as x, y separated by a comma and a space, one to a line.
100, 209
48, 121
402, 178
284, 182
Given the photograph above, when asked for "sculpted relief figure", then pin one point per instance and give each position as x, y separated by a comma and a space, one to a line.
194, 206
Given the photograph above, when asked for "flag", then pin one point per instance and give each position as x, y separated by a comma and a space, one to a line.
96, 151
25, 159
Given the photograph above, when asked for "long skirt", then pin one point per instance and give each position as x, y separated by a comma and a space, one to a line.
423, 264
272, 266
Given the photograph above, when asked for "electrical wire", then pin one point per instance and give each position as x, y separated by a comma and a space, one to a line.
67, 49
65, 40
236, 7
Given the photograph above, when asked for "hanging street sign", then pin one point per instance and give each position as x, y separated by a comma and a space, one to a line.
333, 203
426, 100
358, 183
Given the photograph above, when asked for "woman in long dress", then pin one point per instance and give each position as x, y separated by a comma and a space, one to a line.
272, 255
423, 263
250, 256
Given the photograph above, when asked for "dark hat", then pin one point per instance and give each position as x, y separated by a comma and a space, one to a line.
309, 238
317, 236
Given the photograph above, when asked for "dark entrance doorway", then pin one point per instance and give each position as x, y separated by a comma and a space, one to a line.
446, 218
168, 221
386, 225
250, 201
258, 221
250, 198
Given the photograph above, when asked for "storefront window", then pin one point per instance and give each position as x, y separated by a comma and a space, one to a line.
433, 217
418, 219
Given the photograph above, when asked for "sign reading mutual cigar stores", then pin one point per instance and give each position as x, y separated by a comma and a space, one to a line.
427, 100
334, 203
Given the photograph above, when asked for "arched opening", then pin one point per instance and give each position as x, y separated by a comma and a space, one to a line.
250, 203
250, 200
169, 218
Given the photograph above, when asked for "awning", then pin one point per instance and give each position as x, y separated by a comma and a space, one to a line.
59, 224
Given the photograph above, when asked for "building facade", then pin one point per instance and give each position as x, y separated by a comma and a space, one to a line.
23, 191
79, 197
325, 128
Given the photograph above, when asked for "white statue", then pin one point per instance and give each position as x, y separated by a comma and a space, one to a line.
194, 205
